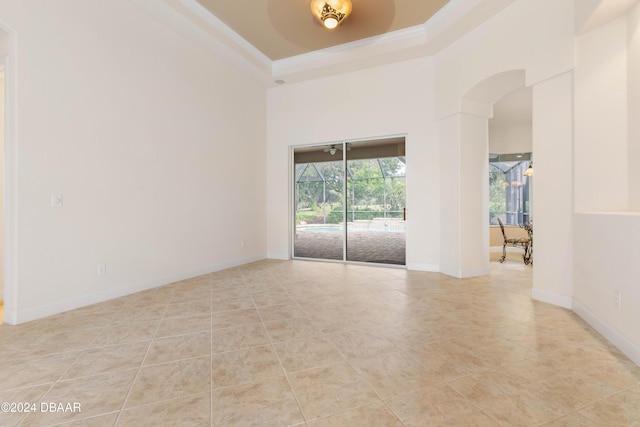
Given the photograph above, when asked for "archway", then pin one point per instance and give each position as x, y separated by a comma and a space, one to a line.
465, 142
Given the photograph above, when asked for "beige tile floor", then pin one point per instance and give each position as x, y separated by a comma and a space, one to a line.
295, 343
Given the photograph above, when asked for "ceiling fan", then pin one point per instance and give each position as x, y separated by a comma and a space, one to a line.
331, 12
333, 148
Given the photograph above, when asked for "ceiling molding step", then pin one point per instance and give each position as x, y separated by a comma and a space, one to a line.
594, 13
194, 21
371, 47
453, 21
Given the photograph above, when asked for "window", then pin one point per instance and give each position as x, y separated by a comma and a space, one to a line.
509, 189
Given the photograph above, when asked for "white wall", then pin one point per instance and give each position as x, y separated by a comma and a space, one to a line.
606, 261
389, 100
607, 152
601, 143
510, 139
156, 146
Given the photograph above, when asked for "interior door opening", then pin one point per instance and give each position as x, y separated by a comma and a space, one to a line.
2, 198
349, 201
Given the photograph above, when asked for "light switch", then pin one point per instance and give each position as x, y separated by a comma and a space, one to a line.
56, 200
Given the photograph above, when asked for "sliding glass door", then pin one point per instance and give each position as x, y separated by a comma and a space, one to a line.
349, 201
319, 196
375, 210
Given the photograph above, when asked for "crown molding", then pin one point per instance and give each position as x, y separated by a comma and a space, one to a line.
453, 21
378, 50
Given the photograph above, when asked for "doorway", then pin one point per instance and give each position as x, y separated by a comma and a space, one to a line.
8, 291
349, 201
2, 174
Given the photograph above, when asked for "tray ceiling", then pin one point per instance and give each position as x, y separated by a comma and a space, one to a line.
285, 28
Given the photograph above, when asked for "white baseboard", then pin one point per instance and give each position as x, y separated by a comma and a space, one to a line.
450, 271
631, 350
465, 273
15, 317
434, 268
551, 298
10, 316
279, 255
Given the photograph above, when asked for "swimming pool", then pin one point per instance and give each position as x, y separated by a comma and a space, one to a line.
325, 228
357, 227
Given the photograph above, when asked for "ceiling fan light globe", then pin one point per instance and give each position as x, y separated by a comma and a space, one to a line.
331, 12
330, 22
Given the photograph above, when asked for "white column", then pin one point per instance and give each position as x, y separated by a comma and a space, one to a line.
464, 184
553, 176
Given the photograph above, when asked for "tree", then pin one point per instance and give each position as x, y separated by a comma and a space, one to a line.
371, 184
497, 200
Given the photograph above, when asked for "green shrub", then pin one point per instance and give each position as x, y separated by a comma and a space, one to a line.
335, 216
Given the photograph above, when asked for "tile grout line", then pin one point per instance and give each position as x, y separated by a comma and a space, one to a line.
211, 352
135, 378
472, 403
284, 371
575, 411
53, 384
344, 360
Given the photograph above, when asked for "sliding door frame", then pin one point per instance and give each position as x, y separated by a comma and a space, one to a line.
293, 196
293, 199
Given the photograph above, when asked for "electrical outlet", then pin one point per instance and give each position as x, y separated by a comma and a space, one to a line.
102, 269
242, 244
618, 298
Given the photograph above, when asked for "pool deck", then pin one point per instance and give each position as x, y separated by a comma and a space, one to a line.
384, 247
